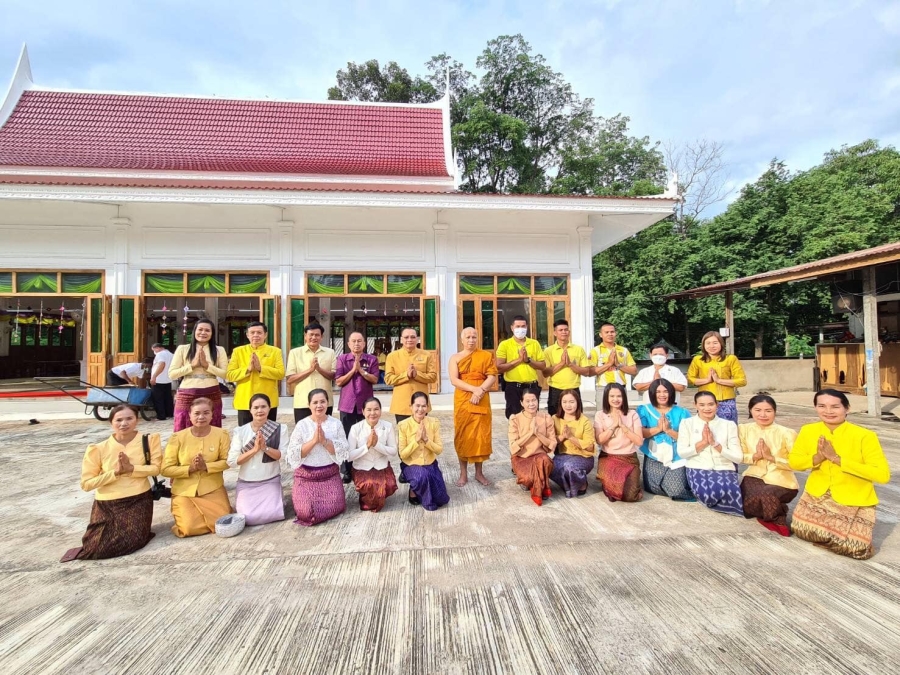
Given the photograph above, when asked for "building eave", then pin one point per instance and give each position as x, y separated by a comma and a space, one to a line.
21, 81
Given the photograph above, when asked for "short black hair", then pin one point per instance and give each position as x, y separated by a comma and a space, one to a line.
560, 322
254, 324
660, 345
418, 394
606, 323
314, 392
315, 325
518, 317
258, 397
762, 397
701, 394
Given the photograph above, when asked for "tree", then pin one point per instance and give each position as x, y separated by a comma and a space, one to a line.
702, 176
389, 84
608, 161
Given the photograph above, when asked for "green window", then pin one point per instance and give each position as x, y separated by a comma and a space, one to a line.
325, 284
36, 282
487, 324
365, 283
475, 285
514, 285
551, 285
298, 317
405, 284
206, 283
269, 320
247, 283
82, 283
96, 323
163, 283
429, 339
6, 285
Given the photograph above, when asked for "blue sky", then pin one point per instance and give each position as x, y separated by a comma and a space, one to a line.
768, 78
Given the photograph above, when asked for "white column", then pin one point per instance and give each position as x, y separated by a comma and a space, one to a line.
447, 297
285, 230
583, 303
120, 229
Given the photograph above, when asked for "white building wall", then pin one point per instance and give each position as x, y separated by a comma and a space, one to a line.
290, 242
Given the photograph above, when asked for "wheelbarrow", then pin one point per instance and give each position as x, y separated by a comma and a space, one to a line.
100, 400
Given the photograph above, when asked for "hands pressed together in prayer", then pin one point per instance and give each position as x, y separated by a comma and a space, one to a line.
123, 465
197, 464
709, 440
372, 440
763, 452
200, 360
825, 452
411, 372
254, 364
566, 434
422, 435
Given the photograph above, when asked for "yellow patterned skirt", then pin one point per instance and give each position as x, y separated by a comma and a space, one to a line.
845, 530
198, 515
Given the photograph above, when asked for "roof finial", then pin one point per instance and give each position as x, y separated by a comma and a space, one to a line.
447, 83
21, 80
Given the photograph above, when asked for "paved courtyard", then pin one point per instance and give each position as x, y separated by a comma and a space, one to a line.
489, 584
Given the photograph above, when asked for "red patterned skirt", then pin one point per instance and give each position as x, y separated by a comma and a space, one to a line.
620, 476
374, 487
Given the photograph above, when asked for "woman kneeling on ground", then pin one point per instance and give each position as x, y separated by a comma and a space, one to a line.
618, 433
664, 472
768, 484
532, 437
195, 459
373, 443
837, 509
711, 447
420, 444
117, 471
256, 450
574, 457
318, 446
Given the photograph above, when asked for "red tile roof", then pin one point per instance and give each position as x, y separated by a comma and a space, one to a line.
126, 131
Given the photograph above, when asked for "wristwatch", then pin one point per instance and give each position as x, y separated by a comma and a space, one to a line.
527, 359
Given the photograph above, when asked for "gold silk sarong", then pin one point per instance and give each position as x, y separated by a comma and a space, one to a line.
472, 423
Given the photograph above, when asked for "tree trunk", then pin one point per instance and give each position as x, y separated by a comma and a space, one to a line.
758, 343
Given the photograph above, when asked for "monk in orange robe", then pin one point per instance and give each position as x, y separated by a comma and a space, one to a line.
473, 372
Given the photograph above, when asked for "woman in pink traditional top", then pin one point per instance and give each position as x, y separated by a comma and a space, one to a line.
618, 433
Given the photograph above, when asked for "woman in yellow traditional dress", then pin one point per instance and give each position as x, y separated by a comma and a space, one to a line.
195, 459
837, 509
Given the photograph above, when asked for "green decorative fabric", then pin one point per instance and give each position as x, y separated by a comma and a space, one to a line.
430, 333
405, 284
247, 283
298, 321
126, 325
471, 285
325, 284
82, 283
363, 283
164, 283
550, 285
206, 283
36, 282
513, 285
6, 285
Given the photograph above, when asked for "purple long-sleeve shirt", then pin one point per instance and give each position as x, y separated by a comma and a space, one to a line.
355, 392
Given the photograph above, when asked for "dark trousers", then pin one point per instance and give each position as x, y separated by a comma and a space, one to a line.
163, 401
303, 413
553, 400
113, 380
513, 393
244, 416
400, 418
348, 420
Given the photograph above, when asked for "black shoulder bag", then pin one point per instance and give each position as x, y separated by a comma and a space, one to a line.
159, 488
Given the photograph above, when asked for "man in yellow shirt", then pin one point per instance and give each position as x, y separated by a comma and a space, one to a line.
519, 359
611, 362
255, 368
311, 367
408, 370
565, 364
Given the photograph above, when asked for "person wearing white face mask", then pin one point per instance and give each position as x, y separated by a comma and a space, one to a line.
518, 360
659, 354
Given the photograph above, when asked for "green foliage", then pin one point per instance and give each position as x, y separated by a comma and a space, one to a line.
799, 344
849, 202
389, 83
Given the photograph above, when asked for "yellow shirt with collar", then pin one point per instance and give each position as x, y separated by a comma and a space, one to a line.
565, 378
299, 360
397, 366
728, 368
862, 463
780, 441
600, 356
181, 449
263, 382
523, 373
414, 452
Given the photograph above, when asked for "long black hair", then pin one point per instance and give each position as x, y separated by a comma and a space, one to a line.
213, 350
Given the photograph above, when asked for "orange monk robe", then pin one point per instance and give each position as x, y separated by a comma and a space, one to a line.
472, 423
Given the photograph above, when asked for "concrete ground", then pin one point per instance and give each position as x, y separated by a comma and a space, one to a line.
489, 584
